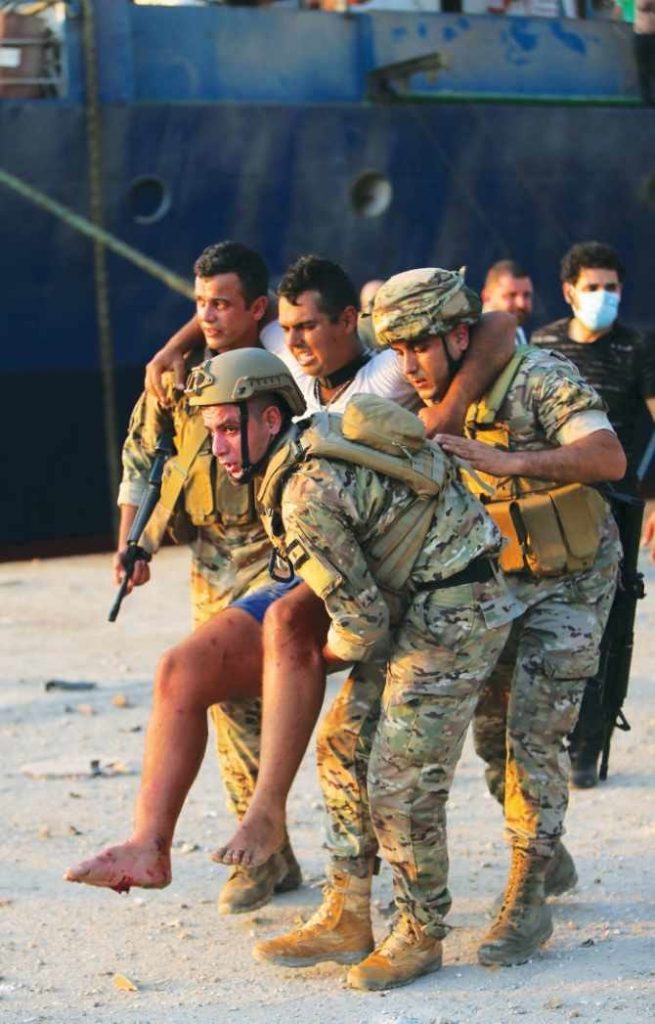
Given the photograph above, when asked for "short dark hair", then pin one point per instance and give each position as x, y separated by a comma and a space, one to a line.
590, 254
502, 267
234, 258
329, 280
265, 399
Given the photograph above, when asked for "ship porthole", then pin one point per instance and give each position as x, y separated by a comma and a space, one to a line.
371, 194
648, 190
149, 199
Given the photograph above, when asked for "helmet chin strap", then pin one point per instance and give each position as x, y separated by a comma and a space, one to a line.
247, 470
250, 469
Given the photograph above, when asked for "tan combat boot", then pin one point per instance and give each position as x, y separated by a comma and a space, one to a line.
524, 922
249, 888
340, 930
560, 877
405, 954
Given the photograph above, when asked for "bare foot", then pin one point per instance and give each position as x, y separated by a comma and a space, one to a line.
146, 864
258, 837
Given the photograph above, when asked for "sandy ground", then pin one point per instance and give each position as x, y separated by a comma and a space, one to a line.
63, 944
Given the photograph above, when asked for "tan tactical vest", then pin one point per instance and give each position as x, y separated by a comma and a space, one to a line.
380, 435
549, 529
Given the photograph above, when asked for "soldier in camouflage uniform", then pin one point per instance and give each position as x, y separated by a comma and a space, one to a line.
316, 314
443, 613
192, 676
534, 438
229, 569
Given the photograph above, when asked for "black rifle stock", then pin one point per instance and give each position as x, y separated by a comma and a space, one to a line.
135, 553
618, 638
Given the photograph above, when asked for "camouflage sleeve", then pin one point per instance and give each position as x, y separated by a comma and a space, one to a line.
148, 421
558, 393
320, 519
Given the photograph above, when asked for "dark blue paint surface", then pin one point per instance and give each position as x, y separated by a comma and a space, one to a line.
268, 151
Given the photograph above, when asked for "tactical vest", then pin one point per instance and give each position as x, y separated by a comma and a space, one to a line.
196, 492
377, 434
549, 529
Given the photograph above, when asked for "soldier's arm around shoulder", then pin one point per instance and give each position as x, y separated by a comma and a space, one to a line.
491, 348
171, 358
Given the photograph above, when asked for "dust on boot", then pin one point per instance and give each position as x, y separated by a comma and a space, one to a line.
249, 888
561, 876
524, 922
340, 930
406, 953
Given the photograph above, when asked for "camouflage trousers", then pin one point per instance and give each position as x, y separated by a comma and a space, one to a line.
237, 724
389, 745
531, 701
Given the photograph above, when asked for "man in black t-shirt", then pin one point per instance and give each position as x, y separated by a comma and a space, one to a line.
620, 363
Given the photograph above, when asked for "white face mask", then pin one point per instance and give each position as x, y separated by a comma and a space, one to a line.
596, 310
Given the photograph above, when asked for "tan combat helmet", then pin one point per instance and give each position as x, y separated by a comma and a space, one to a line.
234, 377
427, 301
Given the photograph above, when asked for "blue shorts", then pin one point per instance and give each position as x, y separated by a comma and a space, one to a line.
258, 601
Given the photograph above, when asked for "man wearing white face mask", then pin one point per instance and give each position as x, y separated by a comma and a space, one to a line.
617, 360
620, 364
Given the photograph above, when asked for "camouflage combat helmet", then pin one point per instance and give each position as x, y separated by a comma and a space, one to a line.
423, 302
234, 377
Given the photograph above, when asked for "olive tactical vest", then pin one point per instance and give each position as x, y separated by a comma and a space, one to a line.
549, 529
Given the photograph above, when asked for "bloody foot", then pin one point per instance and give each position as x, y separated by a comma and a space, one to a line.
143, 864
258, 837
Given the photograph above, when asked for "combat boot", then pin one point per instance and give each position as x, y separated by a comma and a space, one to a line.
587, 740
560, 877
524, 922
405, 954
584, 769
560, 872
340, 930
248, 888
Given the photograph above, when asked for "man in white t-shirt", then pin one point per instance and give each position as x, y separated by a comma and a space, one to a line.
327, 358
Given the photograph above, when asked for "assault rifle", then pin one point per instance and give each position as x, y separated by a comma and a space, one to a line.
618, 638
135, 553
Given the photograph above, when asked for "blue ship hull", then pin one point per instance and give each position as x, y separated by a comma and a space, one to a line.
465, 182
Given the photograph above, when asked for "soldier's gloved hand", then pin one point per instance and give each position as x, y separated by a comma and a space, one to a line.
140, 575
162, 362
